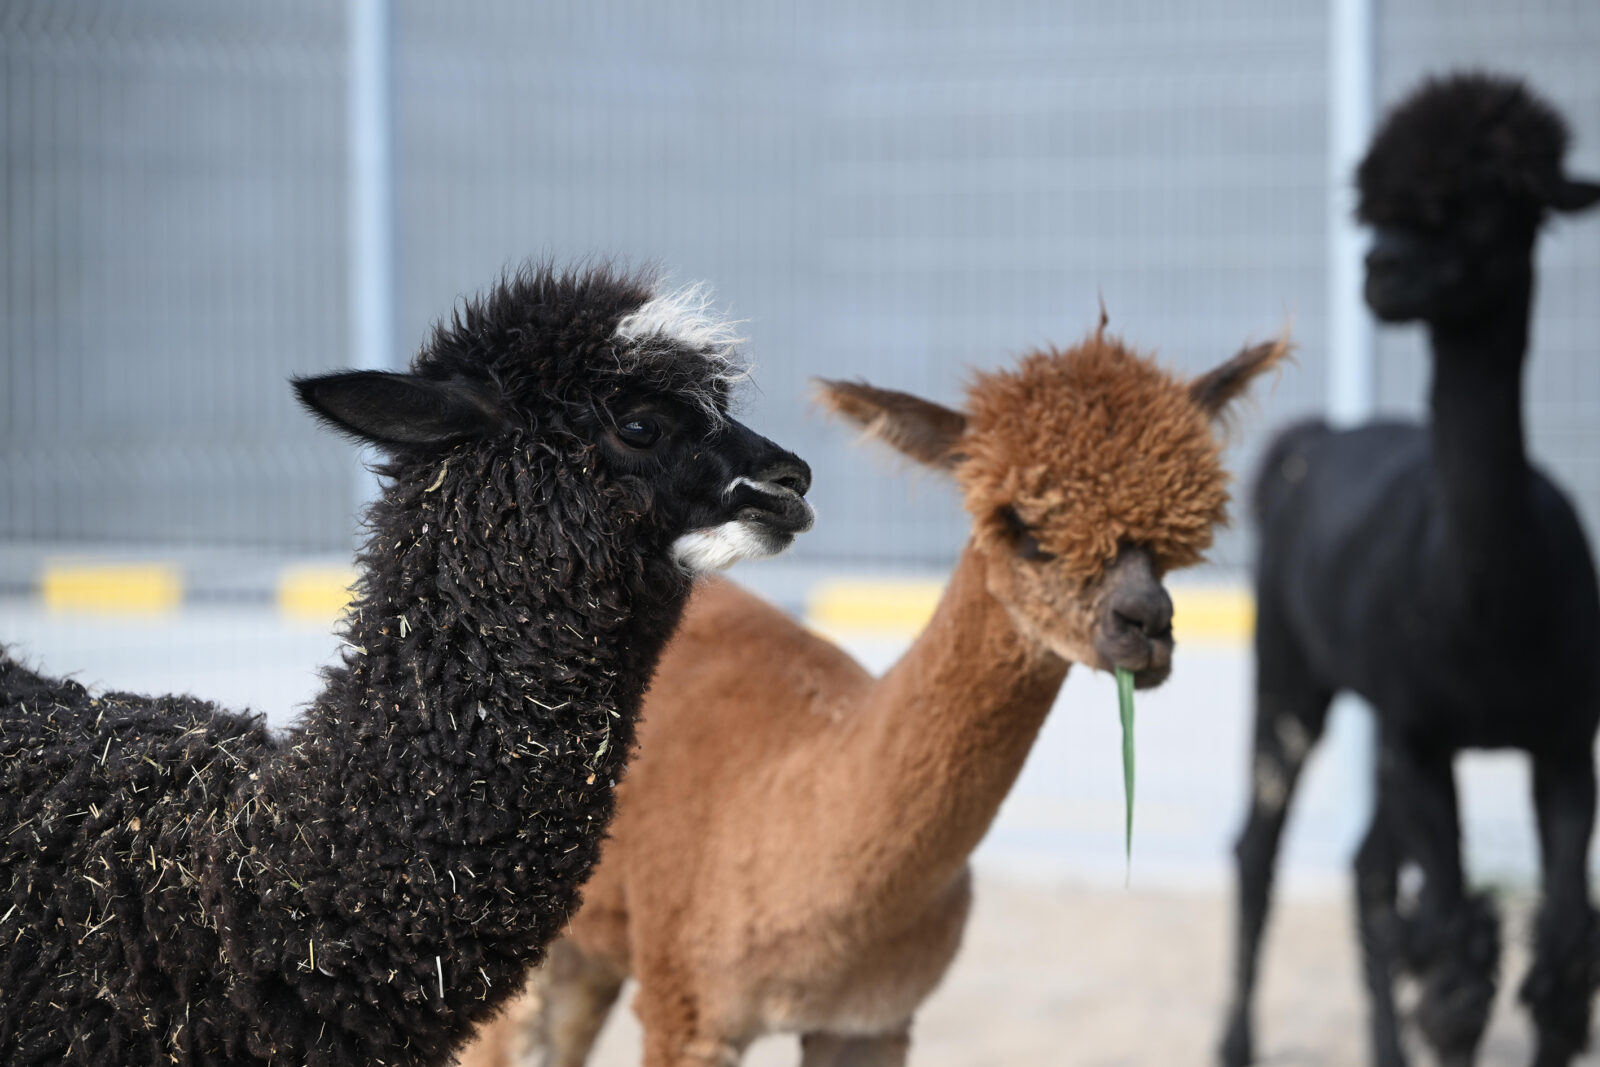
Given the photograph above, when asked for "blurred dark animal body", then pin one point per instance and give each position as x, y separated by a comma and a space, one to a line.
1440, 576
179, 885
791, 848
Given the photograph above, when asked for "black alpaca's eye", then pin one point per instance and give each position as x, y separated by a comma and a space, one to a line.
640, 432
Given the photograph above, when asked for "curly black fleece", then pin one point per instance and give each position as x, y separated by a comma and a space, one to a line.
179, 885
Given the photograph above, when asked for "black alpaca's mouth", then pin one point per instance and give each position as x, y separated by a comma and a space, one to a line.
771, 540
1394, 298
755, 532
759, 518
776, 507
794, 517
777, 522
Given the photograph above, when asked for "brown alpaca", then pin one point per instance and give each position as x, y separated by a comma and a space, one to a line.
790, 849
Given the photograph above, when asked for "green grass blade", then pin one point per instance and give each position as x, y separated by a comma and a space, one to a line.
1125, 709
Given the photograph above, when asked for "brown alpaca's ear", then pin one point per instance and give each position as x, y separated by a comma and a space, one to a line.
924, 431
1219, 387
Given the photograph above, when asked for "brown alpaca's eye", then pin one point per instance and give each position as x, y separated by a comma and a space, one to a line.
1022, 537
1028, 548
639, 432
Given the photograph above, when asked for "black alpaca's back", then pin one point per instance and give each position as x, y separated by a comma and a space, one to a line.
1354, 563
91, 787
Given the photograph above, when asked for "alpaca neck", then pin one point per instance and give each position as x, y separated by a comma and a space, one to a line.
1477, 434
939, 742
469, 746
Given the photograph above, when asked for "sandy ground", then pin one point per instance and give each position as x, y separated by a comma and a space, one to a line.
1085, 977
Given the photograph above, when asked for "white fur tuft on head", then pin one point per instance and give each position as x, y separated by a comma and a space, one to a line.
717, 547
685, 316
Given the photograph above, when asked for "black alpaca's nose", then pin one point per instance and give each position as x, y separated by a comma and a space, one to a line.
1146, 610
1382, 257
1393, 247
788, 472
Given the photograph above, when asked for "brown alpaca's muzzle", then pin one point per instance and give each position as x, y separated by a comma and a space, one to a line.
1133, 626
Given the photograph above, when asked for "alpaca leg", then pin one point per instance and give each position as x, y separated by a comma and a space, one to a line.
1291, 711
1377, 867
575, 992
672, 1051
676, 1034
1564, 972
1454, 940
819, 1049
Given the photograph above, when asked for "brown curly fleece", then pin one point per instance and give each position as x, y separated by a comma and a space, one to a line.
1093, 447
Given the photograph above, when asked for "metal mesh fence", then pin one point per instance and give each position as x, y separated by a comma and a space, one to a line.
174, 248
891, 190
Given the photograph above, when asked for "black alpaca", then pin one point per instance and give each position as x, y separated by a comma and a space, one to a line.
1436, 573
179, 885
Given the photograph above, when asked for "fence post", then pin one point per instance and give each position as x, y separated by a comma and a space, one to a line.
371, 134
1352, 378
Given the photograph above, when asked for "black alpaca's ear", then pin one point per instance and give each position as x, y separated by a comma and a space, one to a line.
1572, 195
399, 410
920, 429
1217, 388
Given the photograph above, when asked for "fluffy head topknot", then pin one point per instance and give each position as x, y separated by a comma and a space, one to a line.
1093, 447
1455, 141
543, 337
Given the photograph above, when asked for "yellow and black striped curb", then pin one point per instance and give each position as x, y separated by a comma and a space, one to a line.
111, 588
310, 593
318, 593
300, 592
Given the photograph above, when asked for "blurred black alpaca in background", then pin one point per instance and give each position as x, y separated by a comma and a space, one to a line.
1436, 573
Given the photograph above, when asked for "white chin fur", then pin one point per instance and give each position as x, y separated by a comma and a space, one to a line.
722, 546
